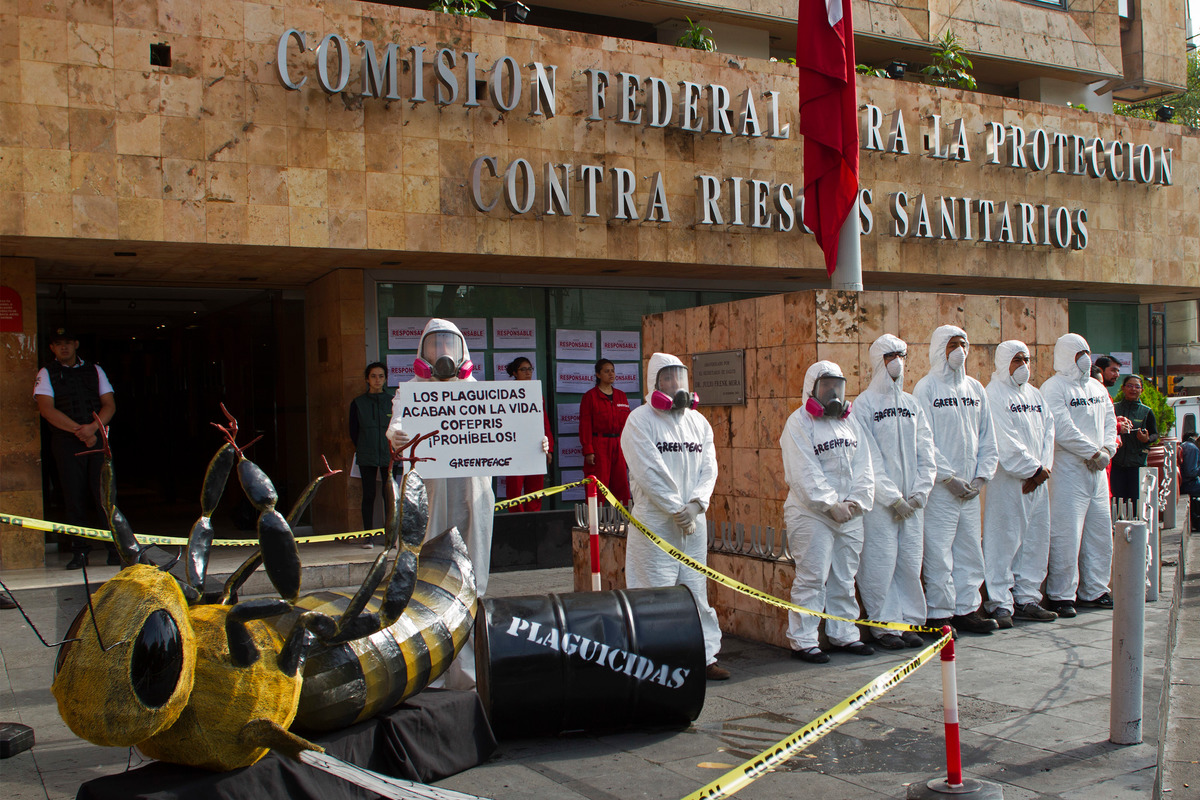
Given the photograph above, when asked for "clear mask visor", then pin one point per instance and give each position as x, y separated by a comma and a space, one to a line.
671, 380
830, 388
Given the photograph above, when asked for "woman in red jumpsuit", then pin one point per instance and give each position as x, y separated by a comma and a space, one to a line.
602, 415
517, 485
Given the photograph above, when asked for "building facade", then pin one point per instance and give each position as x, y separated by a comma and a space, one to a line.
247, 202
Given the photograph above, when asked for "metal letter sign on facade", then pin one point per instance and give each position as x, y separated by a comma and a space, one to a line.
720, 378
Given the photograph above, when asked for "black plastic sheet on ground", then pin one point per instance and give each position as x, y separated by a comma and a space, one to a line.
431, 736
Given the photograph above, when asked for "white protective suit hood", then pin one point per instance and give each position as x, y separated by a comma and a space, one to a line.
938, 366
1004, 356
1065, 350
660, 361
436, 325
881, 381
816, 371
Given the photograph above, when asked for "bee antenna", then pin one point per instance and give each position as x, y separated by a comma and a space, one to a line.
36, 632
87, 587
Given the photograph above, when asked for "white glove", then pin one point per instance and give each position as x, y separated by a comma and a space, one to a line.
1102, 459
902, 509
916, 501
841, 512
398, 438
546, 445
688, 514
958, 487
976, 486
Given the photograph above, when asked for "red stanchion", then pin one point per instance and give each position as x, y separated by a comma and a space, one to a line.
593, 532
950, 714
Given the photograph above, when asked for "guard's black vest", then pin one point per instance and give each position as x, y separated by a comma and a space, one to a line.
374, 415
76, 390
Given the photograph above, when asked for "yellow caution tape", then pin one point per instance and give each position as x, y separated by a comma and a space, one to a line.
525, 498
725, 580
149, 538
742, 776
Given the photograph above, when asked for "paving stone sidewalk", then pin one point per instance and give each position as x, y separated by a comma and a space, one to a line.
1033, 704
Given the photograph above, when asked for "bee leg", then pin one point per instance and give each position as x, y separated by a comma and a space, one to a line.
309, 493
267, 733
281, 557
242, 650
311, 627
396, 596
414, 515
201, 537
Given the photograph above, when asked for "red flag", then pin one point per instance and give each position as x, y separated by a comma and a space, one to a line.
828, 118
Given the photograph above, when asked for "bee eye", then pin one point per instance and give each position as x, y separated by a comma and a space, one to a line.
157, 659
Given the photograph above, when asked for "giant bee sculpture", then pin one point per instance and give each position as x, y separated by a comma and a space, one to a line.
211, 681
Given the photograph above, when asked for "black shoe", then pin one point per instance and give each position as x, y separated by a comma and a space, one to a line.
975, 623
78, 561
1103, 601
1034, 612
1003, 618
1064, 608
938, 622
114, 558
6, 601
912, 639
859, 648
813, 655
890, 641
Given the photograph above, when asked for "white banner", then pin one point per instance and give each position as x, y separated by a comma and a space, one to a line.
574, 377
568, 418
579, 345
482, 427
500, 362
570, 476
404, 333
620, 345
629, 378
474, 331
515, 332
399, 368
570, 451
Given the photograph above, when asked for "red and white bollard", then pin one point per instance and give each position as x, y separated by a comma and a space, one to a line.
954, 782
593, 533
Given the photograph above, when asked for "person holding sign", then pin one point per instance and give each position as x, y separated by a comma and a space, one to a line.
668, 446
464, 503
602, 415
516, 485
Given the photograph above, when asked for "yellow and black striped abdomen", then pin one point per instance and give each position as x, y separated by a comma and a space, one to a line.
350, 682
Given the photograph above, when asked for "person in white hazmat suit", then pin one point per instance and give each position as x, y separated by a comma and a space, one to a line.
964, 449
668, 447
1085, 439
463, 503
830, 485
1016, 522
901, 444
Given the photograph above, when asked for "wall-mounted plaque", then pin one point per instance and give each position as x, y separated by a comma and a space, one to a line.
720, 378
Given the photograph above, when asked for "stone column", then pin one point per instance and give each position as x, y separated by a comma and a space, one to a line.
20, 433
335, 352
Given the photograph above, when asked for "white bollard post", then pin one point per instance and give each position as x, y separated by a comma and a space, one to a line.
1128, 637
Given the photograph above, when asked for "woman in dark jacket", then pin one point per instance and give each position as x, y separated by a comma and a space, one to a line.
370, 413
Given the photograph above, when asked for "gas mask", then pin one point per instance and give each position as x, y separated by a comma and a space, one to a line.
671, 390
442, 357
829, 398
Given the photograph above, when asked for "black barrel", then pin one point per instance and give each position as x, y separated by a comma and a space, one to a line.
590, 660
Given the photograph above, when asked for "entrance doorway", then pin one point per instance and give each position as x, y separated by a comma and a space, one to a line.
173, 356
